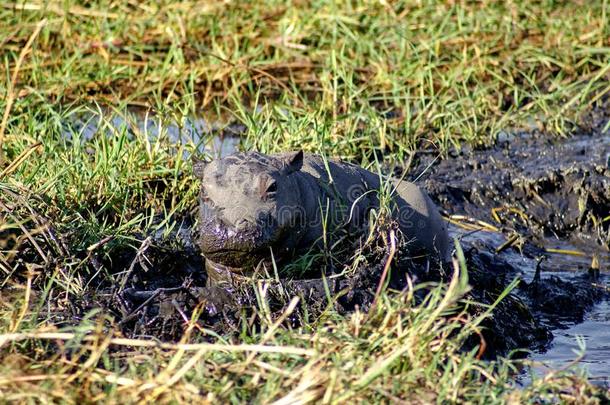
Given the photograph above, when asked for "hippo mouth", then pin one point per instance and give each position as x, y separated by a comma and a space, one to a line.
237, 258
245, 248
241, 246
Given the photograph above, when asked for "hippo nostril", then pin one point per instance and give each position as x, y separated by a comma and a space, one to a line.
241, 224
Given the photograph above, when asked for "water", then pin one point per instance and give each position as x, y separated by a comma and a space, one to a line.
202, 136
595, 333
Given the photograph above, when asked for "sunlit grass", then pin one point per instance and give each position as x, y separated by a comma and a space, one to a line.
450, 73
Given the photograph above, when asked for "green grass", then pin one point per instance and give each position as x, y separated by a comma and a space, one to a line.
452, 73
369, 81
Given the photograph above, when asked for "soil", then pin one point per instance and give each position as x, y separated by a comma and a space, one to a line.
550, 198
539, 186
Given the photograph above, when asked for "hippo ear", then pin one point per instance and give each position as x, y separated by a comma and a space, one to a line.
293, 162
198, 167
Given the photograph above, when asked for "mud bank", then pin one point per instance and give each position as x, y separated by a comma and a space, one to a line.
542, 204
544, 188
158, 288
157, 298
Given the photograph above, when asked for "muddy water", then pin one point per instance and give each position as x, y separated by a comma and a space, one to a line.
567, 331
594, 331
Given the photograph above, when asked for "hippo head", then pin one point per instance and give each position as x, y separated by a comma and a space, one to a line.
249, 205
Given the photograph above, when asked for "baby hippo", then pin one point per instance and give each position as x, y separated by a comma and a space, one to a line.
254, 205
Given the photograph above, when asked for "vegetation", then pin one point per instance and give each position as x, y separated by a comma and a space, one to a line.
81, 177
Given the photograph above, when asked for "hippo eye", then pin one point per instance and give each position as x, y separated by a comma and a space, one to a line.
272, 187
267, 187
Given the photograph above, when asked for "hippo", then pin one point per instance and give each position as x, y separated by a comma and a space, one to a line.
253, 206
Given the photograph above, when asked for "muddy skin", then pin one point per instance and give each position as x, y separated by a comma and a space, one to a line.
253, 204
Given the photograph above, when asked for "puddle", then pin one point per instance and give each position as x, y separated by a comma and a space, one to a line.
595, 333
595, 327
214, 138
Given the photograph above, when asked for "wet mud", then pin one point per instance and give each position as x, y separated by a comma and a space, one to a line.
163, 284
541, 187
541, 204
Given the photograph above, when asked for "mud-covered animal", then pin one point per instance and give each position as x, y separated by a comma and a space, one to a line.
253, 204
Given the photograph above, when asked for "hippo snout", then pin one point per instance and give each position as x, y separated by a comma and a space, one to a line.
243, 244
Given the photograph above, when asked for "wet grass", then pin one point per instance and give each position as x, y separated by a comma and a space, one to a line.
366, 81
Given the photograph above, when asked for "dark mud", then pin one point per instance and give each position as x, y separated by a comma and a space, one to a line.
158, 289
549, 199
545, 188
